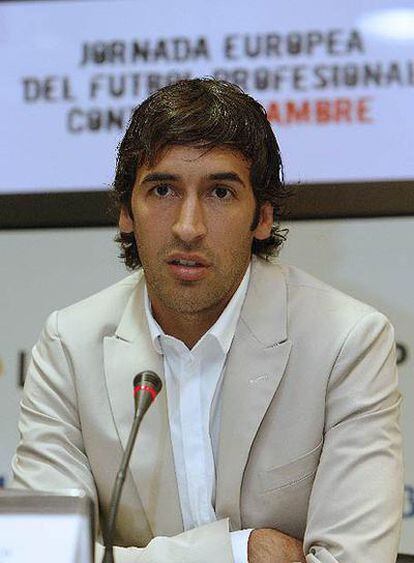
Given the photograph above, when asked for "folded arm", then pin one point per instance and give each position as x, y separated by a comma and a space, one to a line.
355, 507
51, 457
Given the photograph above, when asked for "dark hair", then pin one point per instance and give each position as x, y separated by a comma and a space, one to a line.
206, 113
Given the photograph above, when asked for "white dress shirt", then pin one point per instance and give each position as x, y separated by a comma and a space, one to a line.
193, 381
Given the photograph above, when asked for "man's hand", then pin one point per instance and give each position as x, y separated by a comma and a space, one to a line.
271, 546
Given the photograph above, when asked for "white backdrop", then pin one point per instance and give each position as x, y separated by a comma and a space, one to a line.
337, 83
45, 270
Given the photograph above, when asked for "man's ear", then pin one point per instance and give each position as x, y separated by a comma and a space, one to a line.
264, 226
126, 223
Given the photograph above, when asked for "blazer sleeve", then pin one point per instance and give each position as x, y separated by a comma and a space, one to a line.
355, 508
51, 456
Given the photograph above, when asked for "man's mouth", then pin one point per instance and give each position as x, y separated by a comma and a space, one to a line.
188, 268
189, 263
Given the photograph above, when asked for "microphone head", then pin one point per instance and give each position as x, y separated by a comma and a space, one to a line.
150, 378
148, 384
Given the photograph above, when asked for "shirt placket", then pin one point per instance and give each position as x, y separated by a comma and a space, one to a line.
174, 365
193, 443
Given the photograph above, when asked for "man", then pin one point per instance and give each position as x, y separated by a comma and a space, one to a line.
279, 413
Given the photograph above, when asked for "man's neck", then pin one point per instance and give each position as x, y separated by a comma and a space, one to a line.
187, 327
190, 325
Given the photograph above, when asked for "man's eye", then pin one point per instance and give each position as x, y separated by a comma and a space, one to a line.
162, 190
222, 193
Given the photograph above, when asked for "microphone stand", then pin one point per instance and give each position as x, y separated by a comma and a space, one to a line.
117, 490
143, 400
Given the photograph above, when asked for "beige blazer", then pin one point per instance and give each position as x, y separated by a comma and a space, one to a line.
309, 440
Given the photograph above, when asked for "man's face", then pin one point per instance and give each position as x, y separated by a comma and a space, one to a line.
192, 213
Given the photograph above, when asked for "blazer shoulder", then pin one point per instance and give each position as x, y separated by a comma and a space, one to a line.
320, 301
99, 313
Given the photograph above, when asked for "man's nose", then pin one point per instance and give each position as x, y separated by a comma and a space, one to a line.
190, 222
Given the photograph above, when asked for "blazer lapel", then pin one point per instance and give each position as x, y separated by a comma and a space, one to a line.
127, 353
256, 364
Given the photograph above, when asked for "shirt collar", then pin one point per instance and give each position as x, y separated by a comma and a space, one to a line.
223, 329
154, 328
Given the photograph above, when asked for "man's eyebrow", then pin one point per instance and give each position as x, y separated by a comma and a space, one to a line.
167, 177
226, 176
159, 177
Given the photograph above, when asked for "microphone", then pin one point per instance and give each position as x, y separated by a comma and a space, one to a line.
146, 386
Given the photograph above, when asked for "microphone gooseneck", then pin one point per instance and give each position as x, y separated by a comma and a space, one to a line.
146, 386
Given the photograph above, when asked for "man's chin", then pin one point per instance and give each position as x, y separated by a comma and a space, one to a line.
190, 301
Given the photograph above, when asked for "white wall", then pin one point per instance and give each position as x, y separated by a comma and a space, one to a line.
44, 270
